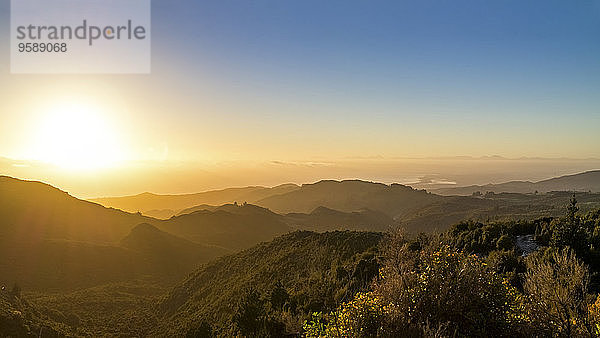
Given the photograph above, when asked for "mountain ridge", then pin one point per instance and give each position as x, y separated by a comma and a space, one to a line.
145, 202
583, 181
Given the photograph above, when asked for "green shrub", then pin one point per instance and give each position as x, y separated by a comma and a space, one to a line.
556, 284
437, 289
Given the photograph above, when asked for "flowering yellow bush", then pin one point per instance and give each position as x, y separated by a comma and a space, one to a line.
362, 316
594, 314
437, 289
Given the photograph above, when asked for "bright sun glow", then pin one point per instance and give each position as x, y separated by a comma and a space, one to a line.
77, 137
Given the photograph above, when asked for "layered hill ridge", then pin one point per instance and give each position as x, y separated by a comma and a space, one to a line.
49, 239
197, 208
582, 182
349, 196
164, 205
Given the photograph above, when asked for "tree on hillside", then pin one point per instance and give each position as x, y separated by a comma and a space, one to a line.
203, 330
569, 231
572, 209
252, 317
279, 296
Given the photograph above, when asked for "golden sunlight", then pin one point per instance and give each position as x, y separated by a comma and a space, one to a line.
76, 136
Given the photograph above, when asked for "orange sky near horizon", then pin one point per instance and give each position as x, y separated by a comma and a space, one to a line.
262, 98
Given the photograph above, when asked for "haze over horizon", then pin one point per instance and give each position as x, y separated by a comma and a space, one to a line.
262, 94
192, 178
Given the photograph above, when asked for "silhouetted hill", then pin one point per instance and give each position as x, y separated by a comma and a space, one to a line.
349, 196
148, 201
317, 270
32, 211
231, 226
197, 208
586, 181
419, 211
51, 240
169, 253
247, 209
237, 226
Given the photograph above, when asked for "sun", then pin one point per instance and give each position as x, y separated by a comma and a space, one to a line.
76, 136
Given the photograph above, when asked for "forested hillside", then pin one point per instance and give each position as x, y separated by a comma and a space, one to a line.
273, 285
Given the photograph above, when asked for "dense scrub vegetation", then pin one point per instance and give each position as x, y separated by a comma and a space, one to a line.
272, 288
126, 309
529, 278
18, 318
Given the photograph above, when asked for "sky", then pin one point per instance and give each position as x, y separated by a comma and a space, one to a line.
245, 84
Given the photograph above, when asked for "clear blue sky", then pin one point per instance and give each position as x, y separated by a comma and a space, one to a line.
459, 54
491, 64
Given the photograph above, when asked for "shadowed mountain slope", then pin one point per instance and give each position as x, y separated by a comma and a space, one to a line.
167, 253
311, 266
231, 226
33, 211
324, 219
51, 240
